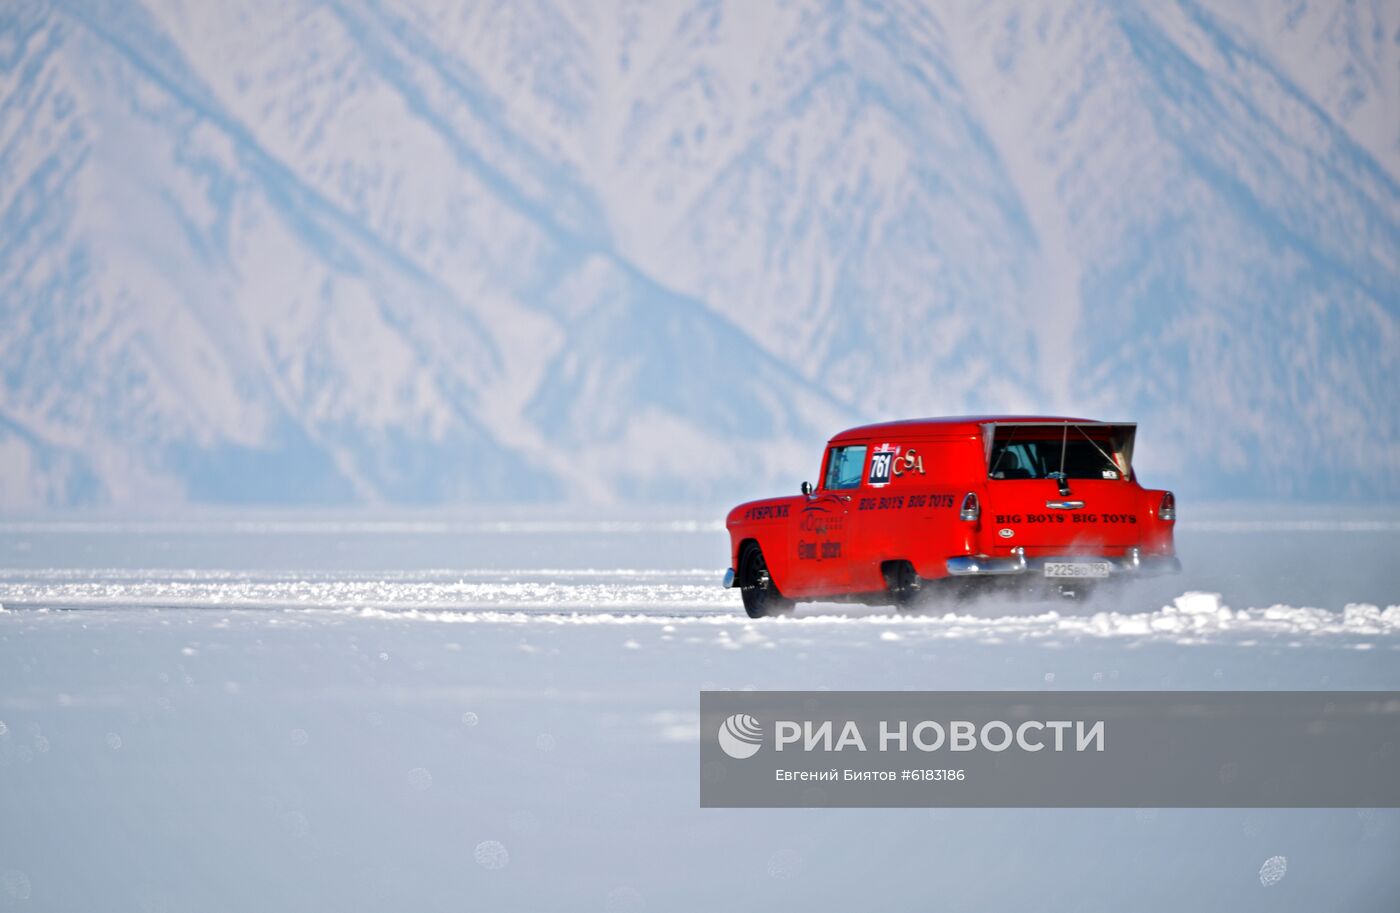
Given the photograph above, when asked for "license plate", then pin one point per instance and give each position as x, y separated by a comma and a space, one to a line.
1076, 569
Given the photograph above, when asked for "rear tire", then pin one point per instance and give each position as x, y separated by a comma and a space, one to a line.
761, 595
904, 584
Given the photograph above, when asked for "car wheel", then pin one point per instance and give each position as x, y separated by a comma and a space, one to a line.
904, 584
761, 595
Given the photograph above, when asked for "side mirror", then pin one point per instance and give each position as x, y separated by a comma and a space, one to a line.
806, 488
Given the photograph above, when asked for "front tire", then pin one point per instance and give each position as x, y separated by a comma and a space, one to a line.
761, 595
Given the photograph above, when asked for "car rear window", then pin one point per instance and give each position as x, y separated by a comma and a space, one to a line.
1036, 458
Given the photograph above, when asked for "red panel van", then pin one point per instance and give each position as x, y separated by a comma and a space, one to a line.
902, 508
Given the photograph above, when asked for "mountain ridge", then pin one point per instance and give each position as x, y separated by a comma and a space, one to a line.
356, 252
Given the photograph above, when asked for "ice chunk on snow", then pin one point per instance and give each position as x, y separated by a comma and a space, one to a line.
492, 854
1194, 603
1361, 614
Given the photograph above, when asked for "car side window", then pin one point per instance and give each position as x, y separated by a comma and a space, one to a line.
843, 467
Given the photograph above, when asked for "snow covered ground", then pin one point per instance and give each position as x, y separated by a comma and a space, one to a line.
430, 712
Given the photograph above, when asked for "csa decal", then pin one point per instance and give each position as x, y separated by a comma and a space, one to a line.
911, 462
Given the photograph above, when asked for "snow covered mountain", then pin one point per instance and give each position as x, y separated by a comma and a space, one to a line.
353, 251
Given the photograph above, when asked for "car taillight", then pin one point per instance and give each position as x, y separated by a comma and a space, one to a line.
971, 510
1168, 509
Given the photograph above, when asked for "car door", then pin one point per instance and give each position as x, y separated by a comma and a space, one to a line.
883, 519
822, 533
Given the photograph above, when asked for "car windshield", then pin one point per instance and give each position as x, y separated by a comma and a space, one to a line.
844, 466
1036, 458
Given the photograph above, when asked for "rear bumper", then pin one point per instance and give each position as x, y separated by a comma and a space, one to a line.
1129, 565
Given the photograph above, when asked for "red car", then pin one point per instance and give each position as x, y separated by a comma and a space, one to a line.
911, 506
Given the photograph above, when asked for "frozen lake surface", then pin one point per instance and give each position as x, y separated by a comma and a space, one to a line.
422, 712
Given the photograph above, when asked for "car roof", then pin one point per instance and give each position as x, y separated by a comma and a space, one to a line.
949, 425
